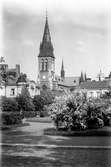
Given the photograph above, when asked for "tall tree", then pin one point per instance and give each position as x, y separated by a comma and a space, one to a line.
25, 102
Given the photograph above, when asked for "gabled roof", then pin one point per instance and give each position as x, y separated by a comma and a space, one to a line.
69, 82
95, 85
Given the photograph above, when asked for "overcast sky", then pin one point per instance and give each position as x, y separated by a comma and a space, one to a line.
80, 33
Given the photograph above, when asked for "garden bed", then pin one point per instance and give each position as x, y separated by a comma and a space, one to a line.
106, 131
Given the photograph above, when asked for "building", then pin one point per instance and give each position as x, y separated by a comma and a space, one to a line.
12, 81
46, 61
95, 88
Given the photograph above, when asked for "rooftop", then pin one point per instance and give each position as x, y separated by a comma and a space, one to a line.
95, 84
69, 82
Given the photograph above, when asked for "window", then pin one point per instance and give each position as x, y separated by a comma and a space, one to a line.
12, 92
46, 65
42, 65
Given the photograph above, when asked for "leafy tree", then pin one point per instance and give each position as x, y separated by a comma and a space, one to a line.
25, 103
48, 97
38, 102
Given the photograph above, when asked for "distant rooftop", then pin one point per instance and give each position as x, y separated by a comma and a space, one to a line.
95, 85
69, 81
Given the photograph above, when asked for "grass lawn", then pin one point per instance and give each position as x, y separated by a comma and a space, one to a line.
61, 158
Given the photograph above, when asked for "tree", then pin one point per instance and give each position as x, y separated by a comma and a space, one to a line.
38, 102
25, 103
48, 97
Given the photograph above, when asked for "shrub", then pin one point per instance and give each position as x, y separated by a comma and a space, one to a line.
9, 104
9, 118
77, 112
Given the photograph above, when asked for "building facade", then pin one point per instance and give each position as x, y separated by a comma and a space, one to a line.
12, 81
95, 89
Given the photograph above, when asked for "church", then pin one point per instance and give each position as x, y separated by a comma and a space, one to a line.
47, 78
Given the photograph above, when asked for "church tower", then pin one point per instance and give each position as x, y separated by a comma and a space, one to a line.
62, 71
46, 60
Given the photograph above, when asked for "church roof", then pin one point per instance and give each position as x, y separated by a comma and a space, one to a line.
46, 47
69, 82
95, 85
46, 35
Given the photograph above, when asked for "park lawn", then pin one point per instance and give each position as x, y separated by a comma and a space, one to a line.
61, 158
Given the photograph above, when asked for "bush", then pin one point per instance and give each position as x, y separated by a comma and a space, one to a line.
29, 114
77, 112
9, 104
9, 118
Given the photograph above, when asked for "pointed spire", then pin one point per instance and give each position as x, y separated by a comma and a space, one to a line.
81, 77
62, 68
85, 77
46, 47
62, 71
46, 36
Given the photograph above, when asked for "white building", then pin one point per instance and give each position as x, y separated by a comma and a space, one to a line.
95, 88
15, 81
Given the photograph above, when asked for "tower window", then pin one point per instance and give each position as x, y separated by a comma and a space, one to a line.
46, 65
42, 65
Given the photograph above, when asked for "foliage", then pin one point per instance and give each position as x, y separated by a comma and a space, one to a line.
9, 118
42, 101
25, 103
48, 97
9, 104
38, 102
11, 114
77, 112
107, 94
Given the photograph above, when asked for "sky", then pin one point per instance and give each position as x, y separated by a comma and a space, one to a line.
80, 33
